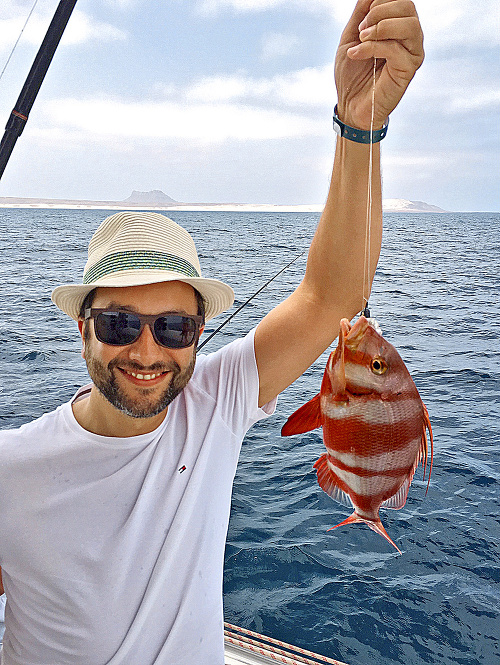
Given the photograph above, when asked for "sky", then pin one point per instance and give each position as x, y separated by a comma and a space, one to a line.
222, 101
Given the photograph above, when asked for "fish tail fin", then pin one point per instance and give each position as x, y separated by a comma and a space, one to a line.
375, 525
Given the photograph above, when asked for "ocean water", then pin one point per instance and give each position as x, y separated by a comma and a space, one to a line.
346, 594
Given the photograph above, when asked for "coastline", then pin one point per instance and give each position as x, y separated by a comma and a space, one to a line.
193, 207
157, 200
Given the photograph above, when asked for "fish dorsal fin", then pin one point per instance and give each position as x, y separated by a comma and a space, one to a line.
305, 419
328, 482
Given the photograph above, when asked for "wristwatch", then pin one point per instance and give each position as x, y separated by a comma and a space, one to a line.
358, 135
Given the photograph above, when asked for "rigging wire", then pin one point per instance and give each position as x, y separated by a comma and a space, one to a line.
17, 40
249, 299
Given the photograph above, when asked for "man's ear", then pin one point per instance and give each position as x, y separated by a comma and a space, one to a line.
81, 328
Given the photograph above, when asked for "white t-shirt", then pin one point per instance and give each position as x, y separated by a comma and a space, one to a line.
112, 549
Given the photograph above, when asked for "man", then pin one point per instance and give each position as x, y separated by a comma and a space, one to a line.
114, 508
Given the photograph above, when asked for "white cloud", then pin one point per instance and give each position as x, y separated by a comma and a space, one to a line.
413, 160
211, 6
219, 89
81, 27
446, 22
459, 23
122, 4
453, 86
479, 100
311, 86
277, 45
204, 123
209, 110
339, 9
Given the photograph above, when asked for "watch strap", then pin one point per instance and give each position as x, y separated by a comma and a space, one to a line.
358, 135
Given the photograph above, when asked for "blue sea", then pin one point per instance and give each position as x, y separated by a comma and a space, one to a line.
346, 593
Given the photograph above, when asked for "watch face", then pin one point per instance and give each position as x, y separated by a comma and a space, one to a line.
337, 128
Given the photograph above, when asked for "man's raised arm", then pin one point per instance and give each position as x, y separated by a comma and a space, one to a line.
290, 338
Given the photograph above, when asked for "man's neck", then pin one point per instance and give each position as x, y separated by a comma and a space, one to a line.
95, 414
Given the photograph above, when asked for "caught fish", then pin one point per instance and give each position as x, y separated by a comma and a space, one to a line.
374, 426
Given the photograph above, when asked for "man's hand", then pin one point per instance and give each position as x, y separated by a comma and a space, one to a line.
390, 31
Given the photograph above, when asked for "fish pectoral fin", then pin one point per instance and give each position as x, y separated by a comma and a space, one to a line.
328, 482
375, 525
305, 419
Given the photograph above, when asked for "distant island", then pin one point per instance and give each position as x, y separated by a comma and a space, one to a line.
155, 196
158, 200
402, 205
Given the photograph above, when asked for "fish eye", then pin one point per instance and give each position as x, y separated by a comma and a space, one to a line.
378, 366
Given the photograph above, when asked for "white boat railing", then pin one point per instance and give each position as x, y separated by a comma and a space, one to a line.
243, 646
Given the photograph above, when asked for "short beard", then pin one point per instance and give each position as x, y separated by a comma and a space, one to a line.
105, 381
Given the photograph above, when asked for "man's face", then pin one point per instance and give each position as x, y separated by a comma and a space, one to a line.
142, 378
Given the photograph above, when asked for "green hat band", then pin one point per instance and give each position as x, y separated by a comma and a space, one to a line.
138, 260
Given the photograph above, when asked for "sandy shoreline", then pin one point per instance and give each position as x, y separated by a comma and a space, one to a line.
189, 208
389, 205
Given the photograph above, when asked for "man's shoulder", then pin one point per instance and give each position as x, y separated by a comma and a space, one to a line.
230, 352
33, 427
219, 367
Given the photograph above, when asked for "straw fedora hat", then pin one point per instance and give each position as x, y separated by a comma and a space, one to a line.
136, 248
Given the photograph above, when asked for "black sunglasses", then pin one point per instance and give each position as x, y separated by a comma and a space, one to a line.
118, 327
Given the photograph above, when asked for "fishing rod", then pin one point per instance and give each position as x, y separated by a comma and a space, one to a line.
19, 115
247, 301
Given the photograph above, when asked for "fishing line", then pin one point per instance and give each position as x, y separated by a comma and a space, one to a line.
368, 227
247, 301
17, 41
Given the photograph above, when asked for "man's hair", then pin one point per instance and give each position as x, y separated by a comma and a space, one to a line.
89, 299
87, 302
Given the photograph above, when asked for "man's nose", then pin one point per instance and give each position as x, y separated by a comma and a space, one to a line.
145, 347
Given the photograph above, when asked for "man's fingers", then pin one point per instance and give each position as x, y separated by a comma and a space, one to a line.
401, 63
404, 30
385, 20
351, 31
384, 9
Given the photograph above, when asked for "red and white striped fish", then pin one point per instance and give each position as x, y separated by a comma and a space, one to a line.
374, 425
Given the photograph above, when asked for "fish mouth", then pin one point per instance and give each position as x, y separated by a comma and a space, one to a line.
336, 366
350, 338
345, 329
354, 335
352, 342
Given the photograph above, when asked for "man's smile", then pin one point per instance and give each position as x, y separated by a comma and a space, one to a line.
141, 379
